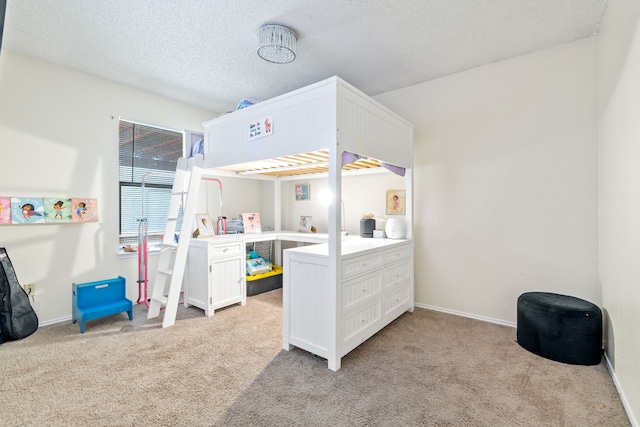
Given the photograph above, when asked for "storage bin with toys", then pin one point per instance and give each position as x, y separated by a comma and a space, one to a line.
262, 275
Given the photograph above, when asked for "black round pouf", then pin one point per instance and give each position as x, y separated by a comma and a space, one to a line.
560, 327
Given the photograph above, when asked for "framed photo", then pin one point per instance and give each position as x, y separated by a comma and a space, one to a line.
303, 192
395, 202
251, 222
205, 226
305, 224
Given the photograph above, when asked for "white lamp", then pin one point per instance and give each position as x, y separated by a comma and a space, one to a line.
395, 228
277, 44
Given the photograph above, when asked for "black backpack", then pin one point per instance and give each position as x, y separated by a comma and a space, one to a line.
17, 318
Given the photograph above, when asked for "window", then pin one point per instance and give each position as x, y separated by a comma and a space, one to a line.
148, 153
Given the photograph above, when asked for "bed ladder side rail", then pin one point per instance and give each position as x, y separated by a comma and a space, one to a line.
173, 255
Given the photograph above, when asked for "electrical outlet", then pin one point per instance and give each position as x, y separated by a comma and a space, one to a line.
30, 288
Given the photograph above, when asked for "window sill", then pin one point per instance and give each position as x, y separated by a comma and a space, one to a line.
152, 250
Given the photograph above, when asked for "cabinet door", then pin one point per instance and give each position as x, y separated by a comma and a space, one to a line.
226, 281
196, 278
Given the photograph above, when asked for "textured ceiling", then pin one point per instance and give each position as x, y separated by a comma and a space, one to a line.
204, 52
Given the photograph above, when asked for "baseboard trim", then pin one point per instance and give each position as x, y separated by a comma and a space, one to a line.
54, 321
627, 407
469, 315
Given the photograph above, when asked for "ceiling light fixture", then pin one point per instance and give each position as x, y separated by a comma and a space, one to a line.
277, 44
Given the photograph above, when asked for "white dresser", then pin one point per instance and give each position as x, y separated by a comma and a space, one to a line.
215, 274
376, 288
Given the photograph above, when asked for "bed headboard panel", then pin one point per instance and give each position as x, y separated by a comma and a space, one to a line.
312, 118
301, 121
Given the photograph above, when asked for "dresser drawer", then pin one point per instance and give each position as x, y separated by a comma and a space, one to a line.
355, 266
397, 299
396, 273
396, 253
362, 320
360, 289
229, 248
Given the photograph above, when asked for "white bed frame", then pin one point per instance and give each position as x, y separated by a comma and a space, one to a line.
329, 115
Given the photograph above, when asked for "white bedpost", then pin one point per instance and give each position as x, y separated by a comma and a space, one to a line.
335, 248
408, 183
277, 218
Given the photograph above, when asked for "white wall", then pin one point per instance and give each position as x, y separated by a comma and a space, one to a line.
362, 194
239, 195
619, 143
506, 181
59, 138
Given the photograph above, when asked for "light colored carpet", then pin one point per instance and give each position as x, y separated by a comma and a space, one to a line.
425, 369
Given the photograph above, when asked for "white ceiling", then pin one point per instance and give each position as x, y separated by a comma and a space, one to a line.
204, 51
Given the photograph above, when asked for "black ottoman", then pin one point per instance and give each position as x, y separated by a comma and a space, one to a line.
559, 327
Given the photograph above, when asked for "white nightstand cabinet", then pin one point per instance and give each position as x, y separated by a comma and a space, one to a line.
215, 274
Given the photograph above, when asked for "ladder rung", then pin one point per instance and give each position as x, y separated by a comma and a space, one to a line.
169, 245
179, 193
161, 299
171, 218
165, 271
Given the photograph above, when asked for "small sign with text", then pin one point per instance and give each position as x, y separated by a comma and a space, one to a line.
260, 128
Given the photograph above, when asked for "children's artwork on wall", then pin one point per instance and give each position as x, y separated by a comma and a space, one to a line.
395, 202
5, 210
251, 223
303, 192
305, 224
84, 210
57, 209
27, 210
38, 210
205, 226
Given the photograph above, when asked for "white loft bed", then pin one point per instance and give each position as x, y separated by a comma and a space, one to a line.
311, 128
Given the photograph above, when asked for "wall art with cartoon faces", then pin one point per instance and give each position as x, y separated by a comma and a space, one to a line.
84, 210
5, 210
27, 210
57, 209
38, 210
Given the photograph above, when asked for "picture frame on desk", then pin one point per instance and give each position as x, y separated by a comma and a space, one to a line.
305, 224
251, 223
205, 226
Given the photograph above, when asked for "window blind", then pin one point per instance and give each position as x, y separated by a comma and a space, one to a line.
150, 154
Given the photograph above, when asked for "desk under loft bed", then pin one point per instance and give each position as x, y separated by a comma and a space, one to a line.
338, 293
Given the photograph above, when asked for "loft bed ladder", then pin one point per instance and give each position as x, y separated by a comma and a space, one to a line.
173, 254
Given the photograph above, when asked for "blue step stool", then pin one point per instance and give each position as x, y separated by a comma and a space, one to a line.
94, 300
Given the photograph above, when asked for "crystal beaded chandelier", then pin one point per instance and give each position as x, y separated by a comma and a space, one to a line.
277, 44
